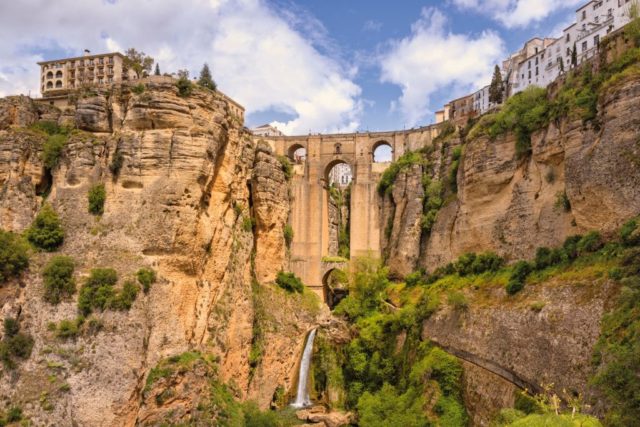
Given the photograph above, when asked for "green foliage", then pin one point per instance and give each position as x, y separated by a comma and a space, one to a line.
288, 235
563, 202
589, 243
146, 277
124, 299
432, 202
58, 280
14, 343
519, 274
511, 418
457, 300
138, 89
97, 291
248, 223
116, 163
289, 282
391, 173
470, 263
14, 256
496, 90
67, 329
632, 29
137, 61
630, 233
527, 404
46, 231
287, 167
205, 79
97, 196
52, 150
388, 407
570, 246
522, 114
546, 257
185, 87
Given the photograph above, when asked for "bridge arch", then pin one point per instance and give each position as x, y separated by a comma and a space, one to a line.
382, 152
297, 153
335, 286
330, 169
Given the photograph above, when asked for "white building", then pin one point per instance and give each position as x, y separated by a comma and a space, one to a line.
594, 21
481, 103
267, 130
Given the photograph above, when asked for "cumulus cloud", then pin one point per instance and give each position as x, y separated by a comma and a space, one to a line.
517, 13
432, 59
258, 55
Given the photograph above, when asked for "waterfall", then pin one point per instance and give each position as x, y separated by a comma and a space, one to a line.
302, 396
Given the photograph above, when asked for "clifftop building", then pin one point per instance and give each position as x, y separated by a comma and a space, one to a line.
60, 75
266, 130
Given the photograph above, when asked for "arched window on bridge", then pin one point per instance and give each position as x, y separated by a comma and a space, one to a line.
297, 154
339, 174
335, 287
382, 152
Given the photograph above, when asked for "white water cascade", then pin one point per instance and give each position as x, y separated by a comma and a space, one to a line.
302, 396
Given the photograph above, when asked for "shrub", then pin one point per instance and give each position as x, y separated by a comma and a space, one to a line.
570, 246
58, 280
138, 89
463, 264
487, 261
591, 242
46, 232
546, 257
14, 414
11, 327
413, 279
391, 173
14, 343
13, 255
69, 328
289, 282
457, 300
247, 224
146, 277
116, 163
52, 150
288, 235
124, 299
519, 274
97, 290
562, 201
185, 87
630, 234
287, 167
97, 196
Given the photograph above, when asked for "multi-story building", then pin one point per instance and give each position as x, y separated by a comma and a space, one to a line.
266, 130
61, 75
481, 103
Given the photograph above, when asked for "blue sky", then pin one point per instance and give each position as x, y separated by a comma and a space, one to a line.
307, 65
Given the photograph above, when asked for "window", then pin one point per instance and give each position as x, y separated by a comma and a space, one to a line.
58, 84
596, 40
529, 74
584, 46
584, 15
59, 75
568, 37
537, 71
49, 85
49, 75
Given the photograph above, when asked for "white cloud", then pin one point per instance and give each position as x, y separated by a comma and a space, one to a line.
432, 59
517, 13
258, 56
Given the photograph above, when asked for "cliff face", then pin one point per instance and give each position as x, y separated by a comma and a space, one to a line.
182, 203
510, 206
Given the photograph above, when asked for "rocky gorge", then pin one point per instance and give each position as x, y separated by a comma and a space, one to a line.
452, 328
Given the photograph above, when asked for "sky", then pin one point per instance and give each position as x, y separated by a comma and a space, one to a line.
302, 65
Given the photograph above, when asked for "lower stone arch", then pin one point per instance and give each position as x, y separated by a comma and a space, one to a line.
335, 286
333, 163
297, 153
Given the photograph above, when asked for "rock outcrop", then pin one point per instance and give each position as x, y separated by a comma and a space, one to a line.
176, 172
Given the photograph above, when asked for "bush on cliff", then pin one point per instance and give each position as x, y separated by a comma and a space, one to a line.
58, 280
519, 274
46, 231
185, 87
14, 343
97, 196
289, 282
146, 277
630, 233
590, 243
391, 173
14, 256
99, 293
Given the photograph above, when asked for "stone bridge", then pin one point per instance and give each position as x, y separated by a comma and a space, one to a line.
309, 215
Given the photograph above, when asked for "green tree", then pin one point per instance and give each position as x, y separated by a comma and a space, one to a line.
58, 280
574, 56
561, 62
496, 88
13, 255
138, 62
205, 79
157, 72
46, 231
97, 196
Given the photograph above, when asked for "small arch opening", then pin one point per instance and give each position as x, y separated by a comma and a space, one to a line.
49, 85
382, 152
59, 74
58, 84
297, 153
50, 75
335, 287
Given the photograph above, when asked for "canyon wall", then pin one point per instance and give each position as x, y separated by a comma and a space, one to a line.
196, 200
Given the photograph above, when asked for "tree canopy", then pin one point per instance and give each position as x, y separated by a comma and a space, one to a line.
138, 61
205, 79
496, 88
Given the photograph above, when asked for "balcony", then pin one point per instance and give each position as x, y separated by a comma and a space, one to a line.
594, 27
